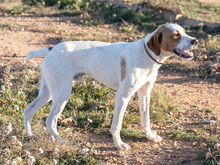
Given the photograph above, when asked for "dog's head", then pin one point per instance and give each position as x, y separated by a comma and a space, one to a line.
172, 38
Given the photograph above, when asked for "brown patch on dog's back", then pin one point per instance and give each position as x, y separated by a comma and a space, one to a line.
50, 48
123, 68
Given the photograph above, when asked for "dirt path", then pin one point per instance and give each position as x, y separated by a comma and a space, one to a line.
195, 94
21, 34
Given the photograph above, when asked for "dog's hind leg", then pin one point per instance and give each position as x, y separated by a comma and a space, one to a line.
60, 96
42, 98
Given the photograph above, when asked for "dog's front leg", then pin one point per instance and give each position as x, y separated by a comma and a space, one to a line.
144, 101
120, 106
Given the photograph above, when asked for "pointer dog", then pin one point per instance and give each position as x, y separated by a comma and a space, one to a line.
126, 67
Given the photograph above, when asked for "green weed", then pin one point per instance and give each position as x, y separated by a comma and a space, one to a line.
195, 134
16, 10
201, 122
143, 20
7, 26
94, 22
134, 134
209, 110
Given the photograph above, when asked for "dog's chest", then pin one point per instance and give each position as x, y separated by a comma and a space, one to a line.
151, 74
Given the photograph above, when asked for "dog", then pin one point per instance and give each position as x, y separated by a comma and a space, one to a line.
126, 67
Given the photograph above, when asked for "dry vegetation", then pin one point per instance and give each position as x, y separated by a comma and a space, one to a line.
191, 135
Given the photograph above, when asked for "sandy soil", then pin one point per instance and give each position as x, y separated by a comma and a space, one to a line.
210, 1
193, 95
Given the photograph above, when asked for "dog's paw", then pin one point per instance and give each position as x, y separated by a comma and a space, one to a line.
154, 138
122, 146
29, 135
62, 142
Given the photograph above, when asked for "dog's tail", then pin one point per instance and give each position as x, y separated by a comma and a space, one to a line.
38, 53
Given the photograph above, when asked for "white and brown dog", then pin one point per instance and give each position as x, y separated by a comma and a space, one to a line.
126, 67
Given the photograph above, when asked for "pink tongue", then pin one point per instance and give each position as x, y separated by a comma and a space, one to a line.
188, 52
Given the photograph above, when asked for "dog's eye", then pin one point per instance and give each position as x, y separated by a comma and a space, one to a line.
176, 35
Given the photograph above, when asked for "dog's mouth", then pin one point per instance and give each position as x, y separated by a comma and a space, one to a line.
183, 53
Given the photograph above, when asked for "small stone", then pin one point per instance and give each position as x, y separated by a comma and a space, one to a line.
67, 121
177, 9
179, 17
68, 130
14, 55
84, 150
194, 144
179, 127
155, 145
206, 134
185, 79
175, 144
113, 153
114, 159
88, 145
203, 57
212, 122
120, 153
146, 152
203, 145
153, 112
61, 117
194, 130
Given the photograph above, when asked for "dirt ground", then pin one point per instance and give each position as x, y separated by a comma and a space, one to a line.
194, 95
210, 1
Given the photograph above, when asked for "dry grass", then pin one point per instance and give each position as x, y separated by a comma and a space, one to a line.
6, 5
192, 8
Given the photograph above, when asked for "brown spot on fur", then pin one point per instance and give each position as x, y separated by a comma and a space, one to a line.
164, 38
50, 48
170, 39
123, 68
154, 42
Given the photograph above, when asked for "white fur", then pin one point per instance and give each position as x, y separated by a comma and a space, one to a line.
69, 61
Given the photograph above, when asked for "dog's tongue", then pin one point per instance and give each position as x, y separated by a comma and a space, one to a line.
185, 53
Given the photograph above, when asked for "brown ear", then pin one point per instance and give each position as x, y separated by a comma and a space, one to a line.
154, 42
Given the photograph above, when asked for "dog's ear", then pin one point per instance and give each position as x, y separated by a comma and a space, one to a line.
154, 42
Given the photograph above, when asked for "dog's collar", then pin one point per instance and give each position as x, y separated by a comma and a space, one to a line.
161, 63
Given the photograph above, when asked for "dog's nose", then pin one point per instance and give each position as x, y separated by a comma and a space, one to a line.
194, 42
